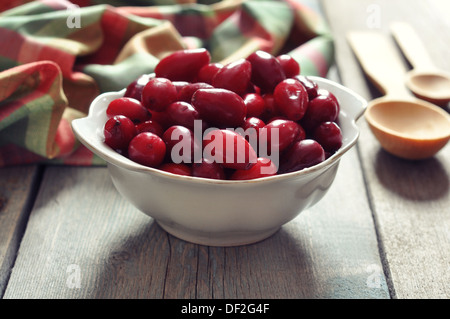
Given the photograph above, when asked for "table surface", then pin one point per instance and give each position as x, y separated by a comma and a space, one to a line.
382, 231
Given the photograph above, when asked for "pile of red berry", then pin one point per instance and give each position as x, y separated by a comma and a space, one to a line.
251, 118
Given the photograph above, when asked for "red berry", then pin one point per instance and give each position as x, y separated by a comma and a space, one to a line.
158, 93
310, 86
290, 66
181, 144
253, 122
147, 149
255, 104
277, 118
291, 99
264, 167
150, 126
229, 149
302, 154
321, 109
182, 65
252, 127
327, 94
134, 89
182, 113
220, 107
330, 95
266, 71
179, 85
329, 135
174, 168
270, 108
207, 168
286, 131
129, 107
234, 76
118, 132
207, 72
186, 93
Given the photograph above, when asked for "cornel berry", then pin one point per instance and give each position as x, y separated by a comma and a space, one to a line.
251, 118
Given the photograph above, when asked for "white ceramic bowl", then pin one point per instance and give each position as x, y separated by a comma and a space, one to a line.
220, 212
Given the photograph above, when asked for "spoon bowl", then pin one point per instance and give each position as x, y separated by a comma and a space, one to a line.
425, 80
405, 126
432, 86
396, 126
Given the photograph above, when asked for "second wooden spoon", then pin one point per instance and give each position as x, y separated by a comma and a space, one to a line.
426, 81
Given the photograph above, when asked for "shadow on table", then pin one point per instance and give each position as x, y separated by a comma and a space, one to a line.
154, 264
414, 180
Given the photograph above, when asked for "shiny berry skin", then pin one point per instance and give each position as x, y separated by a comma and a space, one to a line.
150, 126
181, 144
302, 154
174, 168
263, 167
182, 113
321, 109
310, 86
183, 65
134, 89
291, 99
288, 132
253, 122
119, 130
179, 85
327, 94
229, 149
147, 149
289, 65
234, 76
220, 107
252, 127
158, 93
161, 118
186, 93
207, 168
207, 73
329, 135
270, 108
267, 71
129, 107
280, 117
330, 95
255, 104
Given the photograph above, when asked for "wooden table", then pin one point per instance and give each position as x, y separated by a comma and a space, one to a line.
382, 231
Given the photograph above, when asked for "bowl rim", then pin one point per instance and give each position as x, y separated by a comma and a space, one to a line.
112, 157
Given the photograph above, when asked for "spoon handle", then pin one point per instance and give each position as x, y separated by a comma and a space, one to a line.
380, 61
411, 45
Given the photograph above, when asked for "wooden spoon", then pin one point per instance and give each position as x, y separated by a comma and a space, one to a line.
425, 80
405, 126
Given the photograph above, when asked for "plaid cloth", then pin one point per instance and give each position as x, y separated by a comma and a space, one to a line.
56, 56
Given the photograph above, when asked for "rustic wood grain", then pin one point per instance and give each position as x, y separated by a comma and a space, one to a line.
410, 200
81, 225
17, 189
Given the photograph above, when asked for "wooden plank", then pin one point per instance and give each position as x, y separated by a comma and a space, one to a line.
84, 241
410, 200
17, 190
